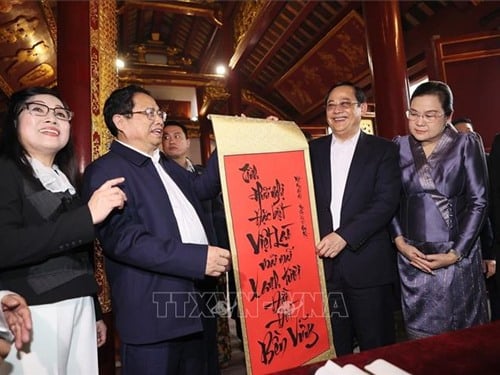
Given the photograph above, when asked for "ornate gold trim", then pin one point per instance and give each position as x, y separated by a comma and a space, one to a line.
51, 20
245, 17
103, 80
5, 87
253, 99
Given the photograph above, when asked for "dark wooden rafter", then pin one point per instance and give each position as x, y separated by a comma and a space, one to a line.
177, 7
140, 26
269, 13
192, 37
125, 37
174, 31
156, 22
214, 48
350, 6
208, 57
283, 38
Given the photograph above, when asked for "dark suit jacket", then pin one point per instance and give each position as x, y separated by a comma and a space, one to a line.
494, 204
371, 198
46, 260
151, 272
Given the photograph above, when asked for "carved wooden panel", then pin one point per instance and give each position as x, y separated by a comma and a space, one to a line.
340, 56
27, 45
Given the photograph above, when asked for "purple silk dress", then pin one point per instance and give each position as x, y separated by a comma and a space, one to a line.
443, 206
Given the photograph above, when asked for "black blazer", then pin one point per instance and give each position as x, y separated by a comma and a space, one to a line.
32, 247
370, 200
494, 172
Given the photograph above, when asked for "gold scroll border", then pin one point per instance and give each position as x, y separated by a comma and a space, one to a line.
263, 142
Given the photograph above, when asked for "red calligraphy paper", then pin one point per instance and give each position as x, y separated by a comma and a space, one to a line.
280, 293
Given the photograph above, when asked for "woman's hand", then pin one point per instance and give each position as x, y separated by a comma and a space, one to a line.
18, 318
106, 199
415, 256
101, 333
436, 261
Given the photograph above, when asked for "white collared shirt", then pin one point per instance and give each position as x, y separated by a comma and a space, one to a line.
341, 154
188, 221
52, 178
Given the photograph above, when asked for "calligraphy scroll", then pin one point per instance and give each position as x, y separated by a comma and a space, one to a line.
271, 215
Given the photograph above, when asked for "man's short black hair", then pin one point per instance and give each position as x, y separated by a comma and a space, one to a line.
176, 123
462, 119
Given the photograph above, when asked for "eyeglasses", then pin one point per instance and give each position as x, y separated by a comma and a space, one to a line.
428, 116
345, 104
176, 137
39, 109
150, 113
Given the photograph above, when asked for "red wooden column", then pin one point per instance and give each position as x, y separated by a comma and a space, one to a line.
73, 72
74, 85
233, 84
385, 43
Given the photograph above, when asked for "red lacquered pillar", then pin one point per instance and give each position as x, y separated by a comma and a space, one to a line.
385, 44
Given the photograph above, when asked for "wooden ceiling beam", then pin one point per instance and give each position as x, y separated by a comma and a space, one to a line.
191, 40
342, 13
294, 25
268, 14
156, 22
147, 74
140, 26
184, 8
174, 30
213, 50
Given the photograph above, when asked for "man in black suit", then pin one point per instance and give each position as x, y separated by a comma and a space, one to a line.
357, 186
494, 172
490, 234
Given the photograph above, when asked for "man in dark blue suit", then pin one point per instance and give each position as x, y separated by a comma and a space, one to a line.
157, 247
357, 186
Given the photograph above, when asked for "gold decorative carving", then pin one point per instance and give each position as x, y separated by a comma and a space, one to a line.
215, 93
6, 5
172, 54
245, 16
103, 53
26, 55
38, 75
250, 98
340, 55
18, 29
5, 87
103, 42
50, 19
210, 94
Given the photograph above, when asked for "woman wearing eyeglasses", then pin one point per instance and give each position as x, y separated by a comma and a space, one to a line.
443, 205
46, 235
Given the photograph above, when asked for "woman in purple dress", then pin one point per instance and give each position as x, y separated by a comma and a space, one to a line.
443, 205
